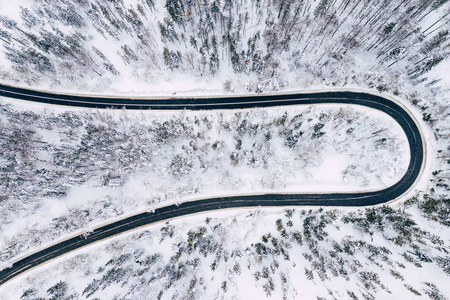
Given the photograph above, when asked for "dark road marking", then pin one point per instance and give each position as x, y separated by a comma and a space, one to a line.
406, 121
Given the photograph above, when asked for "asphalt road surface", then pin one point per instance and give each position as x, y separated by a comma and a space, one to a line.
165, 213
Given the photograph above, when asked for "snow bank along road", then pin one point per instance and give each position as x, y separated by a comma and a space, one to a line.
404, 118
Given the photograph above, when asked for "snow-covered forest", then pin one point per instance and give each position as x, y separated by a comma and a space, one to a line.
65, 171
376, 253
258, 45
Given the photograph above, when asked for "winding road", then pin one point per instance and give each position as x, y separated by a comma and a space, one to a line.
403, 117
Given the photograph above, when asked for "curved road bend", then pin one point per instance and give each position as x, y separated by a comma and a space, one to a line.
165, 213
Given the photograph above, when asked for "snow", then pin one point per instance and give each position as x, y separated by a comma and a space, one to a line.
329, 173
310, 62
